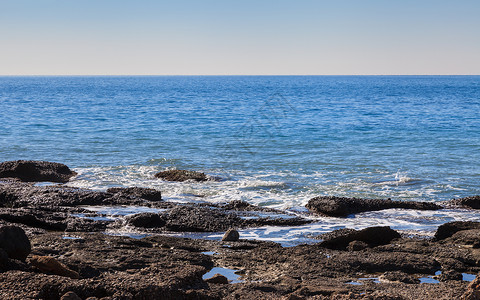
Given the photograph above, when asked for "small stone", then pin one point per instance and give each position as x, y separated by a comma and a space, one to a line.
70, 296
49, 264
231, 236
15, 242
217, 278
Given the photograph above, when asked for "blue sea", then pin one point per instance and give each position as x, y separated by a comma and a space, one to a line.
275, 141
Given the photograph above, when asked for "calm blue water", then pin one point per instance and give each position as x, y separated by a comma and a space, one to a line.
276, 140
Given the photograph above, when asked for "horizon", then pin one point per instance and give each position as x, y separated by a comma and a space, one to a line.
219, 38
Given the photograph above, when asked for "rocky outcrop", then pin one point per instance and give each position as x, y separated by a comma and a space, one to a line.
14, 242
470, 202
200, 219
448, 229
372, 236
181, 175
31, 171
342, 206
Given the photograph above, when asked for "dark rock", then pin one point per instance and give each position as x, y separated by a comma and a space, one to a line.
3, 258
144, 193
146, 220
357, 246
469, 237
238, 205
372, 236
450, 275
448, 229
471, 202
70, 296
217, 278
27, 170
200, 219
231, 235
342, 206
181, 175
15, 242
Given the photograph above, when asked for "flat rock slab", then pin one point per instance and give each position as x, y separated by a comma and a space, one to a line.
32, 171
342, 206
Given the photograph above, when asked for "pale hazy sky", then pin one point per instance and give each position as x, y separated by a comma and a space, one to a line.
117, 37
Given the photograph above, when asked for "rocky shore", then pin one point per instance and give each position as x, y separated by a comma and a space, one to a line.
53, 247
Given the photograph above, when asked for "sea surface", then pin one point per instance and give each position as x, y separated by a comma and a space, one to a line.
275, 141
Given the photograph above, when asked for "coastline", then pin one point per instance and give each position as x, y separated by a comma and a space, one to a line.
374, 263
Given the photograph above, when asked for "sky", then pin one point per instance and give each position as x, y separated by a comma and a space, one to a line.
261, 37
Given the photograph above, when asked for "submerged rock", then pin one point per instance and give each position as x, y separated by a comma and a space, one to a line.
49, 264
231, 236
372, 236
14, 242
343, 206
448, 229
181, 175
31, 171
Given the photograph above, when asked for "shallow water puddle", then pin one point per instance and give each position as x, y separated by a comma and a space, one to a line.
97, 218
468, 277
428, 279
71, 238
209, 252
228, 273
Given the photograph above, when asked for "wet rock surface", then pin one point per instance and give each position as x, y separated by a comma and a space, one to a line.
182, 175
371, 237
373, 263
470, 202
14, 242
31, 171
343, 206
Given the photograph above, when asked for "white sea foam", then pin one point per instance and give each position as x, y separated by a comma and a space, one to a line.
284, 190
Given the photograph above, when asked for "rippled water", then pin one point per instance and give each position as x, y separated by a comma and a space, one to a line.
275, 141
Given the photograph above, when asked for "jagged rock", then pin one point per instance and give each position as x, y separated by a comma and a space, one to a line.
231, 235
181, 175
372, 236
28, 170
146, 220
14, 242
144, 193
70, 296
49, 264
471, 202
343, 206
217, 278
448, 229
398, 276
